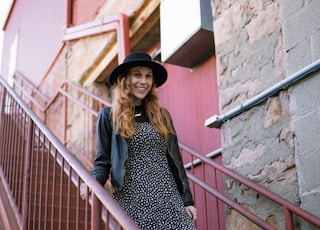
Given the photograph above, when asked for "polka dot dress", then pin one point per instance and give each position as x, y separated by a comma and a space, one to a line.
150, 195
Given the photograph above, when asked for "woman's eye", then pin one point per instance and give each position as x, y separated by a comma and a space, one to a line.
137, 74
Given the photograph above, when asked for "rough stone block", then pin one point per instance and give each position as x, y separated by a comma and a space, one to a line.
287, 8
301, 25
315, 46
305, 96
307, 151
311, 203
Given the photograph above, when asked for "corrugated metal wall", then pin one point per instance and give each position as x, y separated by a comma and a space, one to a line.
40, 30
191, 97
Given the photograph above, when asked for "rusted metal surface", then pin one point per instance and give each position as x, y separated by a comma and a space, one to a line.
43, 178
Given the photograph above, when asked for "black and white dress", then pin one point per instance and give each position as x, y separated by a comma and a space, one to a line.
150, 195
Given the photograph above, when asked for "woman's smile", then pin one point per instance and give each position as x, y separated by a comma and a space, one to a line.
141, 81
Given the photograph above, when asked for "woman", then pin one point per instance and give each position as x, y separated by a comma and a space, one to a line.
137, 142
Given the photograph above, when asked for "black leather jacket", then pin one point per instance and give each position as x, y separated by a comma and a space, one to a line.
112, 151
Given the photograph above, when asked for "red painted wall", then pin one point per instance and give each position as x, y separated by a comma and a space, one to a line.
191, 97
85, 11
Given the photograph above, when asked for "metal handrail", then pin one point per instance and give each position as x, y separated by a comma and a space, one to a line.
63, 90
288, 207
37, 132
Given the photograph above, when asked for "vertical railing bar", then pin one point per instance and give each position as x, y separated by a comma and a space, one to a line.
23, 138
288, 218
65, 115
47, 187
8, 126
215, 186
87, 210
6, 149
35, 168
2, 111
26, 181
2, 123
61, 193
7, 162
15, 155
5, 139
95, 213
15, 151
69, 197
53, 189
107, 219
10, 163
31, 178
20, 157
12, 147
23, 156
204, 196
41, 177
78, 202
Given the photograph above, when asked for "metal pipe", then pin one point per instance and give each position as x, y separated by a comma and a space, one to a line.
198, 161
217, 120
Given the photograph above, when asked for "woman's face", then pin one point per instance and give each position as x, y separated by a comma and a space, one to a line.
141, 80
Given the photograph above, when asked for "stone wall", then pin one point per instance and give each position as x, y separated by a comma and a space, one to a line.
258, 44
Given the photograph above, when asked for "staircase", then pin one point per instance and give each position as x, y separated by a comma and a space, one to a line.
41, 179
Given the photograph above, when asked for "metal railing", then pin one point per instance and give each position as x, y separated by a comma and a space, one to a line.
42, 178
200, 171
68, 92
210, 189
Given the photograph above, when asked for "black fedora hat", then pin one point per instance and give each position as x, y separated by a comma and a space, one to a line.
139, 59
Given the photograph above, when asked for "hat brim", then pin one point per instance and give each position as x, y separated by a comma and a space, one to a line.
159, 72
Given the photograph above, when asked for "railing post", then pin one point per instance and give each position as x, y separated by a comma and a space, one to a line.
96, 213
288, 218
2, 111
27, 170
65, 115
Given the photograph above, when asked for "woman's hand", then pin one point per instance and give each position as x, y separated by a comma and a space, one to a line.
192, 211
84, 191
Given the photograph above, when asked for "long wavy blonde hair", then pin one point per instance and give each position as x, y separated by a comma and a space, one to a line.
122, 110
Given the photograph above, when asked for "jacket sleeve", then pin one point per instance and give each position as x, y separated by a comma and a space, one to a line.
102, 163
178, 169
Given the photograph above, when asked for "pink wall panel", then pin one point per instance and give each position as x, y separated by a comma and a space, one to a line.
40, 26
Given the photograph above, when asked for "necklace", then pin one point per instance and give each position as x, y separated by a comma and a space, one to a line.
138, 111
